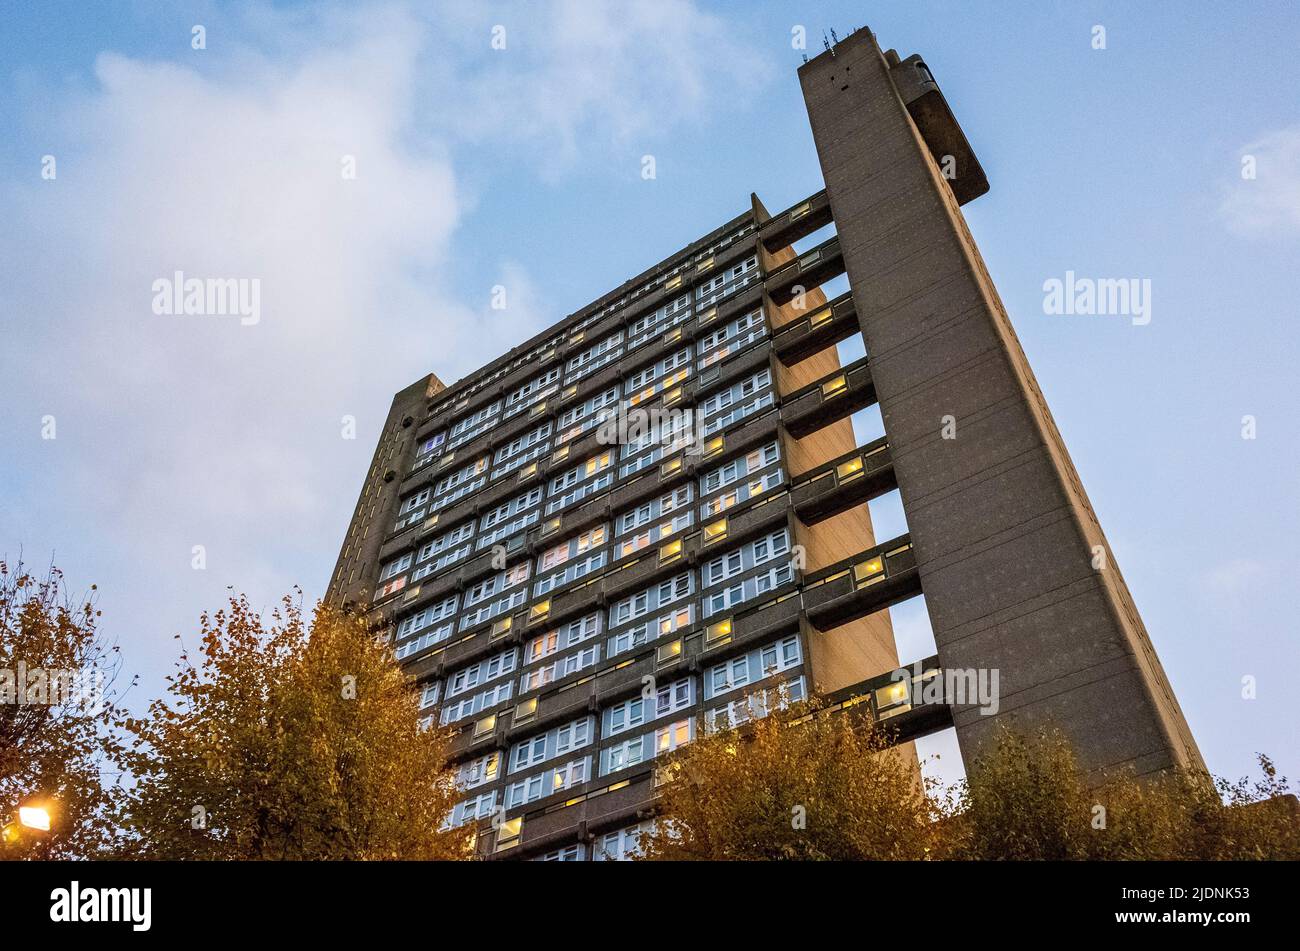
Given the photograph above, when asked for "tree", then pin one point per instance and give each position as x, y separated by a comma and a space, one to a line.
56, 681
801, 783
1027, 798
289, 743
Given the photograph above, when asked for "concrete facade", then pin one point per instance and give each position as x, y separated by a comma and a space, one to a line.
1004, 535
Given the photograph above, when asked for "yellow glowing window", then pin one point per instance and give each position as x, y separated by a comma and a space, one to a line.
820, 317
525, 711
580, 336
528, 471
670, 551
833, 387
569, 391
501, 626
713, 446
486, 725
671, 466
674, 282
715, 531
673, 335
672, 396
539, 611
800, 211
561, 454
551, 526
869, 572
668, 653
508, 837
717, 631
431, 521
847, 471
704, 265
708, 315
538, 410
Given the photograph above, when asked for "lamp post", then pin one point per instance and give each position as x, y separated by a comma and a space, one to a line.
33, 821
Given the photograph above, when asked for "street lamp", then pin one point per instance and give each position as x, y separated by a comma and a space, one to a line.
34, 817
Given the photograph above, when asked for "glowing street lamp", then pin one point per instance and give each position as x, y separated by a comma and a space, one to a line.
34, 817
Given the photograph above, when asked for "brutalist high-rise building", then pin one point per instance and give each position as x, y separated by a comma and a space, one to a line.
651, 521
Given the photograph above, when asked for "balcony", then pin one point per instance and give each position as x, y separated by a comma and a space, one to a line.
859, 476
796, 222
862, 585
823, 327
811, 269
831, 398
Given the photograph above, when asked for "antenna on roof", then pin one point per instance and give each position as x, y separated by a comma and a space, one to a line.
825, 42
834, 38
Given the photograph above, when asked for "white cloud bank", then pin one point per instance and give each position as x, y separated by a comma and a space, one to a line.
183, 431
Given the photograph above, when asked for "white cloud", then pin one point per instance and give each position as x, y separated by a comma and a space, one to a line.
183, 431
1269, 203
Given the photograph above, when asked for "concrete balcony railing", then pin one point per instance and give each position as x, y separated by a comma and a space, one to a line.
796, 222
856, 477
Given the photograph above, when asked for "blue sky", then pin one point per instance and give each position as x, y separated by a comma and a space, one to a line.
521, 167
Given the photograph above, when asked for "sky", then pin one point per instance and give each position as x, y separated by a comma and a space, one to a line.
169, 460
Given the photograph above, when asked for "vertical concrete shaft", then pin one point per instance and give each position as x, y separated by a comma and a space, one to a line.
1005, 537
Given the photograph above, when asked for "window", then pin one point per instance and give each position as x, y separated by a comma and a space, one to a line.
493, 584
751, 667
479, 771
638, 710
593, 358
534, 390
660, 595
660, 626
570, 853
569, 574
481, 672
747, 556
559, 669
585, 541
622, 844
563, 777
586, 416
727, 282
573, 735
756, 705
731, 339
510, 518
646, 747
476, 807
521, 450
564, 636
748, 589
471, 427
578, 483
647, 512
658, 321
412, 509
484, 700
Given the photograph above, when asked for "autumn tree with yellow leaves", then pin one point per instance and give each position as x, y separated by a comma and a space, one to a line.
1028, 798
286, 740
57, 751
799, 784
